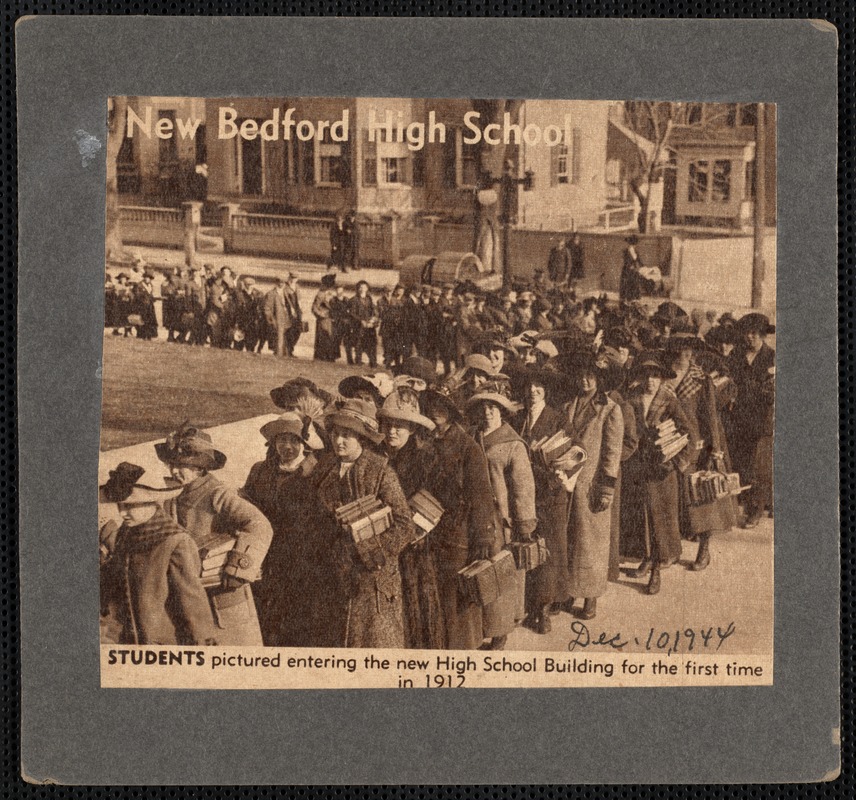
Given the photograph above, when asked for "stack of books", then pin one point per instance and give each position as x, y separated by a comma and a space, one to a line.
213, 553
669, 441
426, 510
707, 486
552, 448
483, 582
529, 555
365, 519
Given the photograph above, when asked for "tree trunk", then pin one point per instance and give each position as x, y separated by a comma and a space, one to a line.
643, 197
114, 249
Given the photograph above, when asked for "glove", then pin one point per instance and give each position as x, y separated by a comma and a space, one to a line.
602, 499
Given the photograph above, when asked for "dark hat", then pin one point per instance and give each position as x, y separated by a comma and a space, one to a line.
442, 395
721, 334
287, 395
122, 487
359, 416
380, 384
619, 336
577, 361
149, 274
755, 322
190, 447
418, 367
632, 239
328, 280
295, 424
651, 361
681, 341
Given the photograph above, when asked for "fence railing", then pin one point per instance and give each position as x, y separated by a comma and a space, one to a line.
152, 215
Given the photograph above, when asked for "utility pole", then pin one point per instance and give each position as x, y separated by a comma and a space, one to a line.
760, 208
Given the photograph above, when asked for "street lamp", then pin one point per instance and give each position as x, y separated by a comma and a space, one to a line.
508, 184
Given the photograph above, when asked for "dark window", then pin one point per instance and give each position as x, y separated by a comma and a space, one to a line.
127, 173
418, 166
698, 183
251, 166
167, 148
307, 162
748, 114
749, 191
201, 146
721, 190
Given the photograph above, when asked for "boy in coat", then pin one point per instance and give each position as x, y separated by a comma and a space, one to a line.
151, 575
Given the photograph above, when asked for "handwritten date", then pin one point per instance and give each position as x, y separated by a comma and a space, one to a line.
685, 640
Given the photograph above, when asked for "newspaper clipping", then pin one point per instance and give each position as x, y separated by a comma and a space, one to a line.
421, 393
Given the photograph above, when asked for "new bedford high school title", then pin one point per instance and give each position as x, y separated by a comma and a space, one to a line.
391, 127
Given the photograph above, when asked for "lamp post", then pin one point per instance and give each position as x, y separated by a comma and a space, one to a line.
507, 185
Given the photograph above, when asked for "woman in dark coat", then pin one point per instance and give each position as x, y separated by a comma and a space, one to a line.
144, 307
280, 487
354, 605
457, 476
402, 425
695, 391
548, 584
326, 347
750, 423
649, 503
365, 321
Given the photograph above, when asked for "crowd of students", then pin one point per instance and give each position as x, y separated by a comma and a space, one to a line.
605, 432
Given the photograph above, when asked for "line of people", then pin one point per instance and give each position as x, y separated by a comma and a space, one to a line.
475, 442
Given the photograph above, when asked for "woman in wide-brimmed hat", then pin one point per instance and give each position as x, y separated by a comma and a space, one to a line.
513, 487
594, 422
351, 605
280, 487
404, 427
650, 488
151, 577
749, 424
212, 513
684, 353
373, 388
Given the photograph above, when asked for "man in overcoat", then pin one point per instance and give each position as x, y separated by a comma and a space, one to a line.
278, 317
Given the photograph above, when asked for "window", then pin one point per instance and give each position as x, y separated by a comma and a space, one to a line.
167, 148
698, 184
721, 190
127, 174
328, 162
417, 162
393, 170
748, 114
695, 113
369, 162
467, 164
560, 167
576, 151
201, 146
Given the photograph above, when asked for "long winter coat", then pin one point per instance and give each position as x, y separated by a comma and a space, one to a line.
281, 596
152, 580
649, 503
550, 582
596, 425
513, 487
750, 424
210, 510
354, 606
457, 476
424, 626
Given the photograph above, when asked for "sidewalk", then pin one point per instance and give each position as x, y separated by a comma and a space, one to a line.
263, 269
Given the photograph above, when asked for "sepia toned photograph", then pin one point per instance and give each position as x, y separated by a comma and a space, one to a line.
421, 393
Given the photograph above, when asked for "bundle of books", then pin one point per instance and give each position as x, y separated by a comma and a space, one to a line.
426, 510
554, 448
365, 519
529, 555
213, 553
707, 486
669, 441
483, 582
